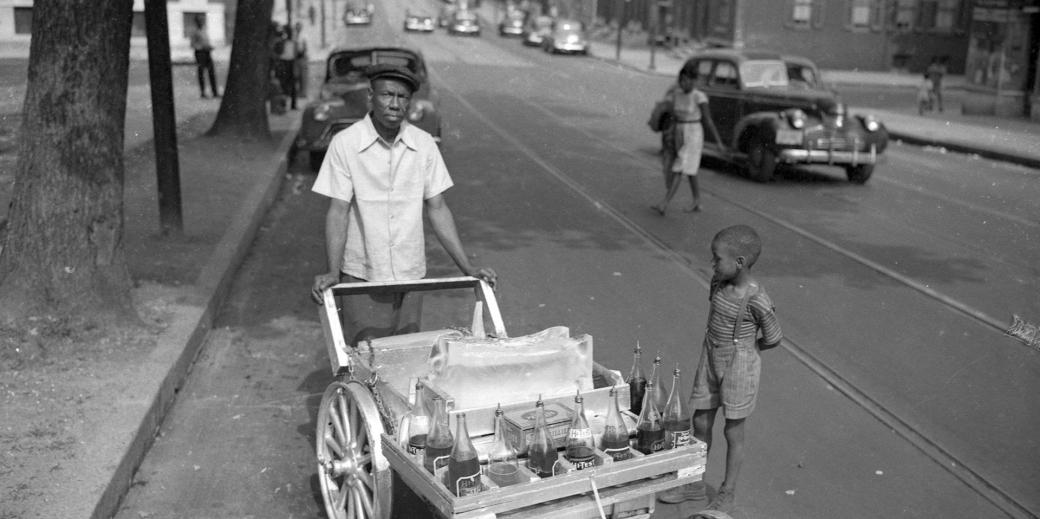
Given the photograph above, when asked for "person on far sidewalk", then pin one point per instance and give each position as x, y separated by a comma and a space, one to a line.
203, 58
936, 70
301, 70
925, 95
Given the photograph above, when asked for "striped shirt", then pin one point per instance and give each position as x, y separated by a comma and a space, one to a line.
760, 315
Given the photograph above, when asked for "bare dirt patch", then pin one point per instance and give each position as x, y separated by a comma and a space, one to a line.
56, 380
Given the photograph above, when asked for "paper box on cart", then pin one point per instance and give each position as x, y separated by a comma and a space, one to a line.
519, 425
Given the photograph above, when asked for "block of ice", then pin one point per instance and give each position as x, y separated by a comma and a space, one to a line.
481, 372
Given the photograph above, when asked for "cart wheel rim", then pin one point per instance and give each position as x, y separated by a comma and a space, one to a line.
354, 476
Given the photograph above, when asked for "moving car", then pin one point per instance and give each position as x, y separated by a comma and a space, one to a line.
464, 22
512, 24
766, 121
446, 14
343, 99
418, 22
566, 36
536, 29
357, 15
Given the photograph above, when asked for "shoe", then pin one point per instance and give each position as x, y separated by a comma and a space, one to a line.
688, 492
723, 502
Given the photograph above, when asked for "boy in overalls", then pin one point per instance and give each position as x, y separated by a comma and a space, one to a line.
741, 322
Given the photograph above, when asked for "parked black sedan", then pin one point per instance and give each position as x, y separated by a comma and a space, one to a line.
767, 118
343, 99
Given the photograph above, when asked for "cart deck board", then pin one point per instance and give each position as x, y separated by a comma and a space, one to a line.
642, 476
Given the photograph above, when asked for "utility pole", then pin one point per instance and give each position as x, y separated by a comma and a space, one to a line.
621, 6
323, 44
164, 125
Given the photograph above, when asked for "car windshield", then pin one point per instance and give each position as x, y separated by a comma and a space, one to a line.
350, 67
764, 73
465, 16
801, 75
568, 26
543, 22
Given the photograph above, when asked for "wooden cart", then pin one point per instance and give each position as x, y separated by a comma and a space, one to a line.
358, 446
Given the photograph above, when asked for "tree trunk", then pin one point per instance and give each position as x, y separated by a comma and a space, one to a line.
63, 253
243, 109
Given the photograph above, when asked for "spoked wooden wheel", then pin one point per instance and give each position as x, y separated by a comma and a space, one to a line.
355, 477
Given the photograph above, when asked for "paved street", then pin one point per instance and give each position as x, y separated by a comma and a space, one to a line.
888, 371
896, 395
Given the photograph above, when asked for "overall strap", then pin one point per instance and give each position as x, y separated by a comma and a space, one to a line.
742, 311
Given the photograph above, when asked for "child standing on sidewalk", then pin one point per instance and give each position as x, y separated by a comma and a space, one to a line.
741, 322
924, 95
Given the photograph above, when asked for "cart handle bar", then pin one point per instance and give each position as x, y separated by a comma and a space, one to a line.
482, 290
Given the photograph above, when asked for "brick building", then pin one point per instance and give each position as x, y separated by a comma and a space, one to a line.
846, 34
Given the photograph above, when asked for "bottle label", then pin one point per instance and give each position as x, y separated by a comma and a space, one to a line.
678, 438
619, 454
416, 449
583, 462
467, 485
579, 434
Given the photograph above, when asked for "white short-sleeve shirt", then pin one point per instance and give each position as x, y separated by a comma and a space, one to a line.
386, 184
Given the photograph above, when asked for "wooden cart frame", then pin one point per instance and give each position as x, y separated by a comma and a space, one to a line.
358, 449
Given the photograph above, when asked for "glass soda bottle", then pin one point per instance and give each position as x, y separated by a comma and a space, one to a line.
615, 433
502, 468
418, 424
636, 383
657, 393
541, 455
439, 441
581, 450
676, 418
649, 430
463, 464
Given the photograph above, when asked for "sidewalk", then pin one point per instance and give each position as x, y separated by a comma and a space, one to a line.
93, 443
1010, 140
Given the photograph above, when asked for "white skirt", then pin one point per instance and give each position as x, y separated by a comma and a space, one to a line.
688, 158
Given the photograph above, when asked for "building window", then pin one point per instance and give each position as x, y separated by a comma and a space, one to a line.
946, 16
189, 22
137, 29
905, 14
805, 13
862, 13
23, 20
802, 12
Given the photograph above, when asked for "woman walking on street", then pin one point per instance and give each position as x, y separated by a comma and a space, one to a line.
690, 114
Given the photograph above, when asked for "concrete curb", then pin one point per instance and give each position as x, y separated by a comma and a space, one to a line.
910, 138
187, 334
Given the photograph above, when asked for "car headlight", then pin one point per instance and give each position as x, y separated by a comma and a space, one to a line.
321, 112
795, 117
871, 123
419, 109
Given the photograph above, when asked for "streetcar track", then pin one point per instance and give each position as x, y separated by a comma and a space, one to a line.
949, 461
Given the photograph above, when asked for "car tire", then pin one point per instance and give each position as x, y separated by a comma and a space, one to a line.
860, 173
316, 158
761, 163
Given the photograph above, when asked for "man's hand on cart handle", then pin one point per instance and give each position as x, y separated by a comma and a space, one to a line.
321, 282
485, 273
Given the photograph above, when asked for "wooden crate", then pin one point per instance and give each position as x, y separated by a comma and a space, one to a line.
626, 487
481, 420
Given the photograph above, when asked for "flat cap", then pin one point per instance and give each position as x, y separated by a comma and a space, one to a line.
402, 74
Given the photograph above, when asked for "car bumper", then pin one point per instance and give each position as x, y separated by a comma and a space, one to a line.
512, 31
818, 156
466, 30
419, 27
571, 47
